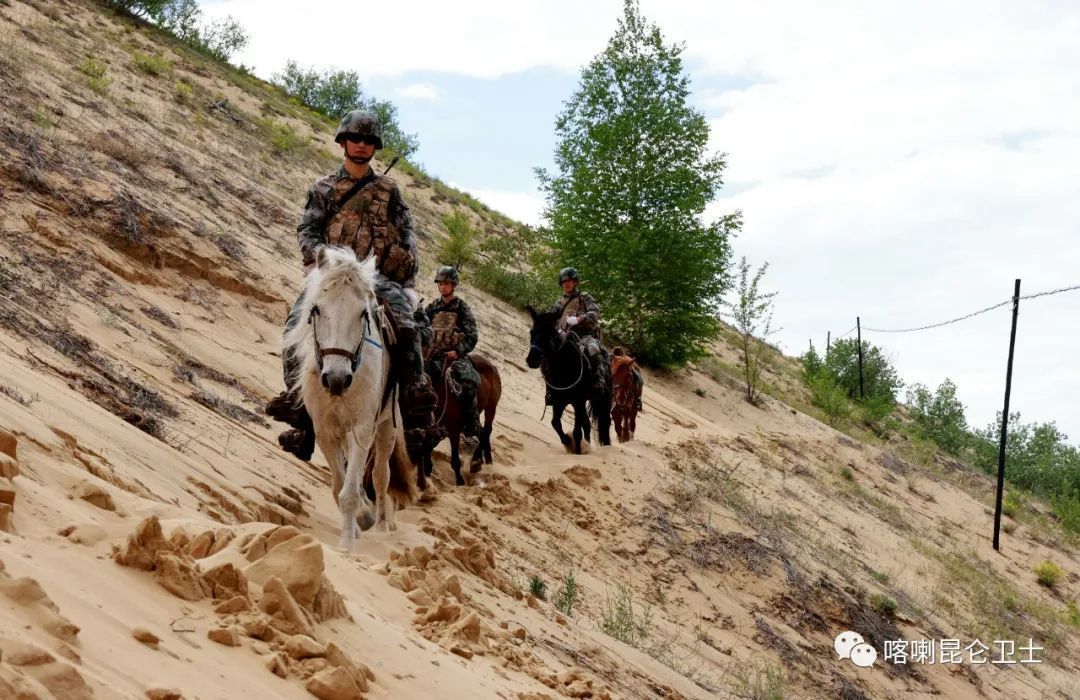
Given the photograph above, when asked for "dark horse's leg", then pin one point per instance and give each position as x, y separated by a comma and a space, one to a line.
582, 427
485, 443
557, 408
455, 458
600, 402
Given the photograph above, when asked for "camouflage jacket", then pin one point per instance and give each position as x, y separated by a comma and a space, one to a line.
454, 327
374, 220
584, 307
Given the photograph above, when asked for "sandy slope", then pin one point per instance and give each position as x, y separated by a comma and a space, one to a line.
738, 527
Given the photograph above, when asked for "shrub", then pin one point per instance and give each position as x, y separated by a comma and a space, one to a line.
95, 72
537, 587
282, 137
618, 619
567, 596
811, 364
183, 92
1048, 574
1072, 614
151, 64
1012, 503
831, 398
883, 604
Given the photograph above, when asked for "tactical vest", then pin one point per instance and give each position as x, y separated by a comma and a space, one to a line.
447, 336
364, 225
575, 307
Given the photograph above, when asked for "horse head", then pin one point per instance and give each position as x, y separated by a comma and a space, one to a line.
340, 310
542, 336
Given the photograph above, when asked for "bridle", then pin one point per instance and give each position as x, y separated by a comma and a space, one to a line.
355, 357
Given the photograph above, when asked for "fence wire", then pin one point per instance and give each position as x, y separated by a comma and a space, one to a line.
967, 316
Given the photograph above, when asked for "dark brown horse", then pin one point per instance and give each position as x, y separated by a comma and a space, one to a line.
448, 414
625, 395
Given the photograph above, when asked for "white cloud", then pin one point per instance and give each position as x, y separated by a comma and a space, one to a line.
525, 207
418, 91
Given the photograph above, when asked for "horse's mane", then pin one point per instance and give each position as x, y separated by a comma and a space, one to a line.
337, 269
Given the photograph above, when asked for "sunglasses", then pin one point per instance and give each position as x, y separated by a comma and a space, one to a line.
361, 138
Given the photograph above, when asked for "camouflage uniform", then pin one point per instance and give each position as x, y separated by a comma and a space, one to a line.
454, 328
374, 221
587, 330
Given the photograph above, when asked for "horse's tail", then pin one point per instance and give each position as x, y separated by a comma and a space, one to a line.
402, 486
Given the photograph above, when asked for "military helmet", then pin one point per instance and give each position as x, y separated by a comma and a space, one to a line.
568, 273
446, 274
361, 123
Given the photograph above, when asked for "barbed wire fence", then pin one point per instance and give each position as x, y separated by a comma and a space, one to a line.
1015, 300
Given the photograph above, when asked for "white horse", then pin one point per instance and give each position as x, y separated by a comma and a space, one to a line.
344, 380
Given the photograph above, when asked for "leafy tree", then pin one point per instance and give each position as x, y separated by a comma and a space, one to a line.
223, 38
516, 266
626, 201
940, 415
811, 364
334, 92
752, 313
182, 18
459, 248
146, 9
880, 377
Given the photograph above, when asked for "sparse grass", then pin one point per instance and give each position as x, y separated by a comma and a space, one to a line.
763, 681
537, 587
120, 149
1072, 614
229, 244
1008, 528
846, 474
881, 577
567, 596
620, 620
183, 93
998, 609
1048, 574
95, 74
151, 64
282, 137
227, 408
161, 316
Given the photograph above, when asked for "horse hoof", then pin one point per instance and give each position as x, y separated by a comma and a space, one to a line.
459, 480
365, 520
475, 466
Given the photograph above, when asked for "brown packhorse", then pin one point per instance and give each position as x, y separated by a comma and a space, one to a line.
448, 414
625, 396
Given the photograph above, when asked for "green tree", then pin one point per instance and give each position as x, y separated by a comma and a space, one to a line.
334, 92
147, 9
811, 364
752, 313
880, 377
459, 248
626, 202
940, 415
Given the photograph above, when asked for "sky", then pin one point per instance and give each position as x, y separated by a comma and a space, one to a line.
903, 162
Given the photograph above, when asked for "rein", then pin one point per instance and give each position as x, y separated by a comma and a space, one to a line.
355, 356
581, 364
